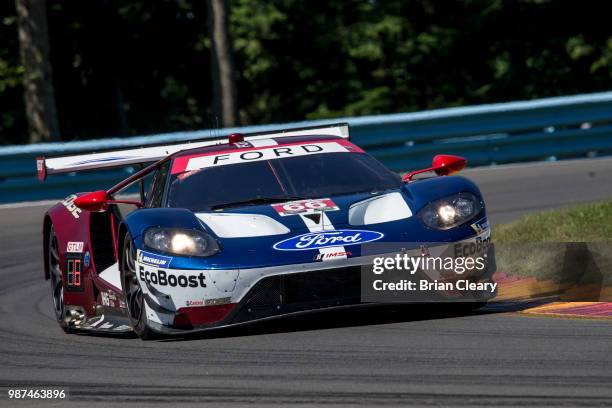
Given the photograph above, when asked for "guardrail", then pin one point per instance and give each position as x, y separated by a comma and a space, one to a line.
545, 129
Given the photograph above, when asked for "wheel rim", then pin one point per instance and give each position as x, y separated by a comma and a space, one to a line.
133, 293
57, 289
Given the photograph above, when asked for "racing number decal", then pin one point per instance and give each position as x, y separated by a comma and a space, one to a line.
74, 268
74, 272
304, 207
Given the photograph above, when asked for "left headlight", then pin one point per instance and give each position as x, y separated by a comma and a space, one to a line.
180, 242
451, 211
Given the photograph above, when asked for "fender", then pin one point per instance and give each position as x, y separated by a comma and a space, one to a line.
72, 229
138, 221
420, 193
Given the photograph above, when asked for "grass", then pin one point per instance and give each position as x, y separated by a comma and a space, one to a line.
537, 244
580, 223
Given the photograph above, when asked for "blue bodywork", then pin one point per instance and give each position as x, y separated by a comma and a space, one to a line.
256, 252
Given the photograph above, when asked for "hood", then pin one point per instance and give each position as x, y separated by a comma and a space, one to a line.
306, 231
324, 214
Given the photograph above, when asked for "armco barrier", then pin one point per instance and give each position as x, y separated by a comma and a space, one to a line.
545, 129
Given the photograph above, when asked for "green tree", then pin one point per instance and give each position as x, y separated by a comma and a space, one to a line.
38, 92
222, 59
13, 125
127, 67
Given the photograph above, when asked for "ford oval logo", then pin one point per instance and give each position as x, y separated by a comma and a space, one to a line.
326, 239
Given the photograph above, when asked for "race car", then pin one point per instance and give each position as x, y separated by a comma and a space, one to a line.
240, 229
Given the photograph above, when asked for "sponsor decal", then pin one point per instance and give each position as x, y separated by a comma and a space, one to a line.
108, 299
481, 226
101, 160
305, 207
258, 154
474, 248
73, 272
218, 301
74, 247
86, 259
332, 255
165, 278
69, 204
208, 302
152, 259
194, 303
318, 240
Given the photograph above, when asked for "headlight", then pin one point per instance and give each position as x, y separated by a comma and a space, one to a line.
451, 211
180, 242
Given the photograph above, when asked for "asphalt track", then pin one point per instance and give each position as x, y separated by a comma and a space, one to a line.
413, 356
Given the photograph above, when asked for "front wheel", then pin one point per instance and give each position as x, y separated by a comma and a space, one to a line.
132, 292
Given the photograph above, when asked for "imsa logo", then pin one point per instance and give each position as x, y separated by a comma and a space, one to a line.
333, 255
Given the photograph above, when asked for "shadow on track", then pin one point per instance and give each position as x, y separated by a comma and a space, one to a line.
369, 315
356, 316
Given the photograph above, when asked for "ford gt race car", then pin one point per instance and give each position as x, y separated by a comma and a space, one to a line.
246, 228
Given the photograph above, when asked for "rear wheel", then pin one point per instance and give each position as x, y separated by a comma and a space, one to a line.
57, 286
132, 292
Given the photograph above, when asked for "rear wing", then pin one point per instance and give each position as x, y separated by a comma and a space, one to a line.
148, 154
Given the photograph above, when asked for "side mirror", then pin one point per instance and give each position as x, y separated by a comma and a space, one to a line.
442, 164
446, 164
95, 202
98, 201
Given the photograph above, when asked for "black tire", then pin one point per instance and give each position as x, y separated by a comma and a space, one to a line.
132, 292
57, 284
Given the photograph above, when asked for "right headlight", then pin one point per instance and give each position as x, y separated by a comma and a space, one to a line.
180, 242
451, 211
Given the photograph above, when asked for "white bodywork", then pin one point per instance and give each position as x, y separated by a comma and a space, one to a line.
231, 286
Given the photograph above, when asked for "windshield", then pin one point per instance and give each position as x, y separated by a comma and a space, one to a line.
312, 176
